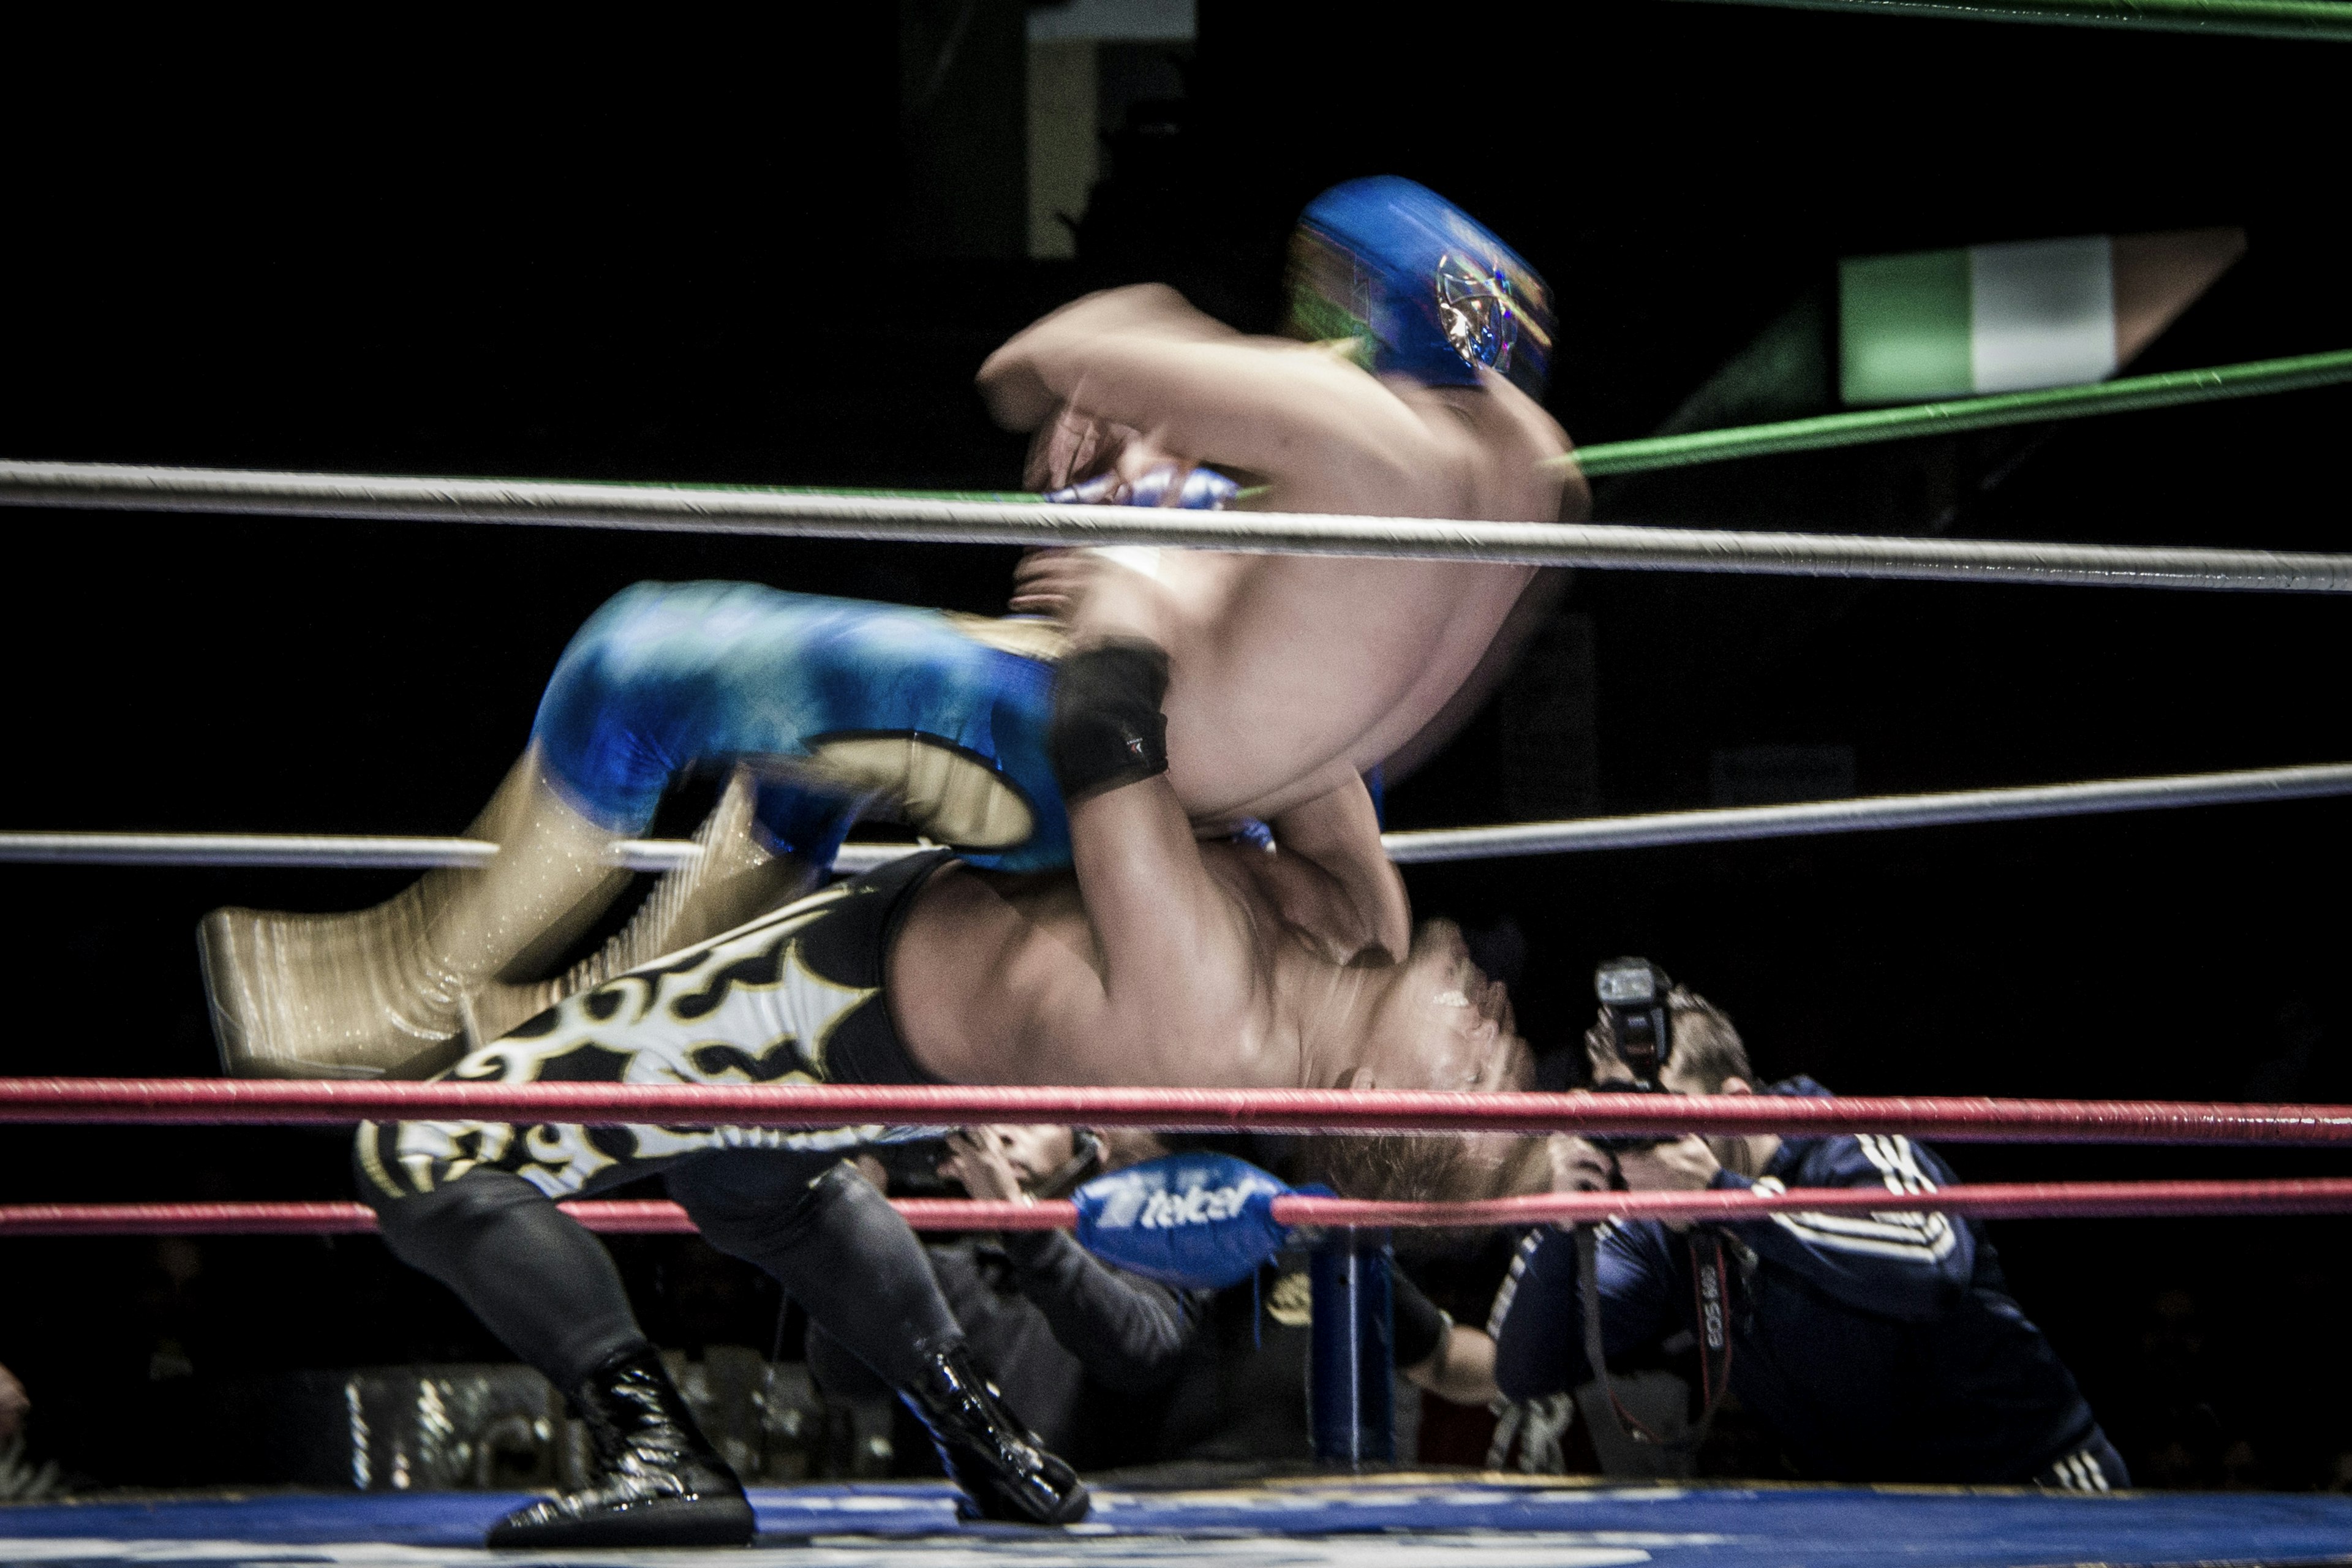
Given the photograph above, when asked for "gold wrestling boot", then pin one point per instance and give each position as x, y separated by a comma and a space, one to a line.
389, 990
736, 879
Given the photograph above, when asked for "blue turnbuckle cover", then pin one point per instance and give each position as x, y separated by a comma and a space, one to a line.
1199, 1221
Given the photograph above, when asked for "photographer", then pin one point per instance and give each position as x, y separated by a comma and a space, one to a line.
1883, 1347
1112, 1369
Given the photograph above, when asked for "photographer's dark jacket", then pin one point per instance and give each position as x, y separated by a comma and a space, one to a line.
1879, 1347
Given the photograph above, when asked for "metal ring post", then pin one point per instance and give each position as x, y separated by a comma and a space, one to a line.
1351, 1357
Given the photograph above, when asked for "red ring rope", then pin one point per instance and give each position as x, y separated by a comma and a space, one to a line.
2022, 1199
301, 1102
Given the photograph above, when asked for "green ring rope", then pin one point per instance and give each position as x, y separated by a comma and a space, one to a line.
1863, 426
2321, 20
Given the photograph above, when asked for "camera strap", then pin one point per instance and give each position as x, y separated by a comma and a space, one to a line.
1710, 1289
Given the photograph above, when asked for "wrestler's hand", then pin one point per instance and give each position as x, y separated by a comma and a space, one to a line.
977, 1159
1063, 583
15, 1405
1072, 447
1096, 595
1054, 581
1075, 448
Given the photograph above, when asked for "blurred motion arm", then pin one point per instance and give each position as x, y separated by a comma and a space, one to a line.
15, 1406
1438, 1355
1129, 1333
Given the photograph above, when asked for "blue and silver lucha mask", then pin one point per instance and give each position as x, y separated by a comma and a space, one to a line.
1425, 289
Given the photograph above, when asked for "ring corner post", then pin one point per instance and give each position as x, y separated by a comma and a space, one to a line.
1351, 1360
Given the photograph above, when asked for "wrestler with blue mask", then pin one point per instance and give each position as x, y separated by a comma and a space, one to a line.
841, 708
1169, 695
1420, 288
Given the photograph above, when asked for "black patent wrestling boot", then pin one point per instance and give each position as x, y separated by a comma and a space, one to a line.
660, 1483
1003, 1469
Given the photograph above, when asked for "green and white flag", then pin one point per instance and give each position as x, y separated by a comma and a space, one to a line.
2013, 317
1992, 318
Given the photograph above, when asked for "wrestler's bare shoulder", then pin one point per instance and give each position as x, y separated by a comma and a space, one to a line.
1489, 453
993, 977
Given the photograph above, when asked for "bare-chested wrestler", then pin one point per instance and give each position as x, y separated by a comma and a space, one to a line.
1290, 676
1166, 960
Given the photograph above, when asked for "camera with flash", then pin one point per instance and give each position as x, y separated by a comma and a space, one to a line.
1632, 993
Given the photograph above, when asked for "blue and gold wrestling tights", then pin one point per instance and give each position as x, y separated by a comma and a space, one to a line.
836, 702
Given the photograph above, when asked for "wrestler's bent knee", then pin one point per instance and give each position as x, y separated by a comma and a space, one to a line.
611, 729
752, 1204
418, 1226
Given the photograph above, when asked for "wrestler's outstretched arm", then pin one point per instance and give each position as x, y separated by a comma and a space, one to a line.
1143, 358
1331, 437
1159, 977
1179, 962
1361, 904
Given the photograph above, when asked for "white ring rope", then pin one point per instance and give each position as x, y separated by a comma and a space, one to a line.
1870, 814
1867, 814
349, 851
769, 513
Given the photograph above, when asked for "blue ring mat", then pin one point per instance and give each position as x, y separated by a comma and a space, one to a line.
1424, 1521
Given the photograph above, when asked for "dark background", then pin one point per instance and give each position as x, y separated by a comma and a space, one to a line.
776, 252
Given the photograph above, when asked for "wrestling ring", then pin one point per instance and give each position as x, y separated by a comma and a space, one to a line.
1378, 1516
1363, 1511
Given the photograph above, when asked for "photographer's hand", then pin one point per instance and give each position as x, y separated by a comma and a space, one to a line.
1684, 1165
976, 1157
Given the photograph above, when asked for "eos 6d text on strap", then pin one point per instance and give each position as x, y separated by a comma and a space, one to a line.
1711, 1303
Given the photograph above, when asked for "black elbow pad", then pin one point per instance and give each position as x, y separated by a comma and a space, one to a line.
1420, 1325
1107, 729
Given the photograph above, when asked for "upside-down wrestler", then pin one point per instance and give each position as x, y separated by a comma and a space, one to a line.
1166, 959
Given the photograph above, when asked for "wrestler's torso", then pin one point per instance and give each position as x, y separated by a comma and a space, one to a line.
1291, 672
987, 969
